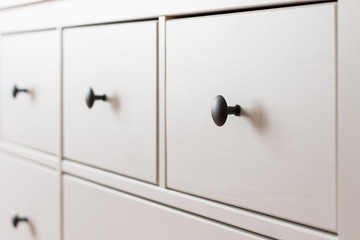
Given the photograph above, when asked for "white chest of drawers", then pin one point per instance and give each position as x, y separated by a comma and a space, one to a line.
113, 130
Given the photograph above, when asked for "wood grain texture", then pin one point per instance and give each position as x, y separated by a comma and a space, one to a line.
240, 218
31, 60
33, 192
279, 156
120, 61
121, 216
349, 119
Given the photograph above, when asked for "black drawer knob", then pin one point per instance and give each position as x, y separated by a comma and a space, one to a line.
16, 90
16, 219
220, 110
91, 98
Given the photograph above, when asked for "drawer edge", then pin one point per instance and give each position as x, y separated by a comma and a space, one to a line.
240, 218
29, 153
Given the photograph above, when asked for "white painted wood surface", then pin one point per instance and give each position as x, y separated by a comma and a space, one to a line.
113, 10
31, 60
30, 154
241, 218
279, 157
121, 216
349, 119
161, 102
16, 3
118, 134
33, 192
79, 12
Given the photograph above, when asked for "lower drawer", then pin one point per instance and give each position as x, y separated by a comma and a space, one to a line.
28, 191
94, 212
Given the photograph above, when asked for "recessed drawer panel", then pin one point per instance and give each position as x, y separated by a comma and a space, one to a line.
116, 132
94, 212
30, 199
279, 156
30, 89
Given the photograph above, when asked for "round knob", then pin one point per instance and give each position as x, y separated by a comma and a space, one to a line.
16, 90
16, 219
220, 110
91, 98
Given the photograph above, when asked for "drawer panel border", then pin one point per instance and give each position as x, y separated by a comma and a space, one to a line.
37, 156
244, 219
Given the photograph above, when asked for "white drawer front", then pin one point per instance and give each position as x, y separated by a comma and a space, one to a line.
118, 134
31, 191
94, 212
31, 61
278, 157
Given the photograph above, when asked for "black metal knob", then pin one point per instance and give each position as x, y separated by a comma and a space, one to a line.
220, 110
16, 90
91, 98
16, 219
